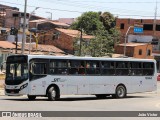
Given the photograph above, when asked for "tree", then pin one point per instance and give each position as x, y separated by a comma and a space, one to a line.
102, 26
89, 22
108, 20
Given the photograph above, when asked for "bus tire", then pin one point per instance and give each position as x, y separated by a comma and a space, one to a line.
31, 97
120, 92
52, 94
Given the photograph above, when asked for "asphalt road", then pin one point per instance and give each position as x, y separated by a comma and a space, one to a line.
149, 101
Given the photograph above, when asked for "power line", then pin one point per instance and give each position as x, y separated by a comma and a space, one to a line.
74, 11
71, 10
44, 7
89, 6
76, 1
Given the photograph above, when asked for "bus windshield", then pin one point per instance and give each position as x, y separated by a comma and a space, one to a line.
17, 71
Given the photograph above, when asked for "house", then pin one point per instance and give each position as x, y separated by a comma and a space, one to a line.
136, 50
62, 38
3, 13
45, 24
6, 48
151, 31
148, 27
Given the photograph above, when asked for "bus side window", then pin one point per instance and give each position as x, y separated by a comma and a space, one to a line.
81, 69
148, 68
122, 68
108, 68
136, 68
73, 67
38, 68
92, 67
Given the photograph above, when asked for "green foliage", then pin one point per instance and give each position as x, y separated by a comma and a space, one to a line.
89, 22
100, 25
108, 20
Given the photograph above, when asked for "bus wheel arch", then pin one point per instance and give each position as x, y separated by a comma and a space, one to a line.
53, 92
120, 91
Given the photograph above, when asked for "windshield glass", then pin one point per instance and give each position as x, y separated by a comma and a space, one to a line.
17, 71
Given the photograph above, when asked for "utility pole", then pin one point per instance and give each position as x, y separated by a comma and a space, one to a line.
125, 42
33, 12
154, 22
80, 46
24, 27
15, 30
50, 14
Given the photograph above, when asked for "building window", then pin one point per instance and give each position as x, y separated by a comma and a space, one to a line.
56, 35
148, 27
148, 52
140, 51
122, 26
157, 27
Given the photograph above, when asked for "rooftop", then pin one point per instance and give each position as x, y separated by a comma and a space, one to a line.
44, 48
7, 45
74, 33
68, 21
50, 21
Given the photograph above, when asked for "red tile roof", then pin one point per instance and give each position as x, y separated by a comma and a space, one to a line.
74, 33
49, 48
6, 45
44, 48
50, 21
68, 21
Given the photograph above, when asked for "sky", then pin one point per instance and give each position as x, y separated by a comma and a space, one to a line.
142, 9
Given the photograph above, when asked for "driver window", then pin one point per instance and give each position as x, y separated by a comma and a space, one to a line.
38, 68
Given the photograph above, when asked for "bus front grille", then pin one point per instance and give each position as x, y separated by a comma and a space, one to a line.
12, 91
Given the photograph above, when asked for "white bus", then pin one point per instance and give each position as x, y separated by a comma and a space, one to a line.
52, 76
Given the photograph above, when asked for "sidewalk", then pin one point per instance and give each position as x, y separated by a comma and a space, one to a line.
1, 84
1, 92
1, 87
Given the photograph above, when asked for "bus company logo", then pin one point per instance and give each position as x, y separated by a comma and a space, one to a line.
59, 80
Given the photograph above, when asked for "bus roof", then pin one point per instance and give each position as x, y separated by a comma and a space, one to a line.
86, 58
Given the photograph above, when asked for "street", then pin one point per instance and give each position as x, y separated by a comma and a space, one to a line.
149, 101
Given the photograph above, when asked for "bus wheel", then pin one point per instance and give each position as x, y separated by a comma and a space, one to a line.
52, 94
31, 97
120, 92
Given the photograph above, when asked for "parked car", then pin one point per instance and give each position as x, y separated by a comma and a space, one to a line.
158, 76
